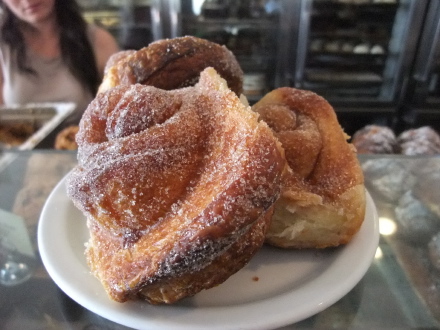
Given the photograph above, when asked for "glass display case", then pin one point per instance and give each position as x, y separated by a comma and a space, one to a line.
400, 290
357, 54
249, 28
421, 102
345, 54
134, 23
375, 61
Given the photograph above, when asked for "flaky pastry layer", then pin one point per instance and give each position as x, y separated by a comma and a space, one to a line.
172, 63
322, 203
177, 186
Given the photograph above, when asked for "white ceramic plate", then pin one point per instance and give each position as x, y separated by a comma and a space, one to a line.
277, 288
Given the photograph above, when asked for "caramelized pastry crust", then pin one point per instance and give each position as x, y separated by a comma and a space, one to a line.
173, 63
177, 186
323, 195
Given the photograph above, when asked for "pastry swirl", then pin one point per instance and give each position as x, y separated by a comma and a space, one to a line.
177, 186
322, 203
171, 64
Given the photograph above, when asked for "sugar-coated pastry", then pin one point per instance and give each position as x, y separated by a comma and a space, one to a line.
116, 58
173, 63
323, 196
419, 141
177, 186
375, 139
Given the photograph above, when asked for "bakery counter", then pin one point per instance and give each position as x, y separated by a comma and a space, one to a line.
401, 288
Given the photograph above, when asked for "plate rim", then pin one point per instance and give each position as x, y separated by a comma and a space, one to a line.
238, 314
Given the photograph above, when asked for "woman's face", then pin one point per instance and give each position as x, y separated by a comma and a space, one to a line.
31, 11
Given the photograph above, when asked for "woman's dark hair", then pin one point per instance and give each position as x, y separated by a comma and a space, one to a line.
76, 49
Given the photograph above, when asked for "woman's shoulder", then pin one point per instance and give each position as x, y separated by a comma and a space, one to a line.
104, 44
99, 34
102, 39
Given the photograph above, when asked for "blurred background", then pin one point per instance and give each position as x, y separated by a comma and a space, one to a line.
375, 61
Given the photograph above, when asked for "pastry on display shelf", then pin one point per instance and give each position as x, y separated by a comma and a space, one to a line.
375, 139
14, 134
419, 141
65, 140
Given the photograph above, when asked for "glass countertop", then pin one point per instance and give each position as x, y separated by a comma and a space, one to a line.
401, 289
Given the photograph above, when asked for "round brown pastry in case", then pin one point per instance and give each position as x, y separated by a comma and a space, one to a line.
173, 63
322, 203
65, 140
419, 141
177, 186
375, 139
14, 134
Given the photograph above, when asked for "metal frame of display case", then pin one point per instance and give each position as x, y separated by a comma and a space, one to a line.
399, 53
254, 39
399, 91
357, 102
134, 23
420, 105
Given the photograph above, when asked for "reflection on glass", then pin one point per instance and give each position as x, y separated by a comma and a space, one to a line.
12, 270
378, 254
387, 226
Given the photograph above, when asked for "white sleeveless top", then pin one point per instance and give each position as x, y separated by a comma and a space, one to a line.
53, 83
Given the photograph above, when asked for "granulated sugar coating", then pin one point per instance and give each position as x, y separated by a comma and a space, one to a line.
177, 187
173, 63
322, 202
419, 141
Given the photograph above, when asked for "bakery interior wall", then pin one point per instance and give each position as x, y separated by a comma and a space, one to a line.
358, 54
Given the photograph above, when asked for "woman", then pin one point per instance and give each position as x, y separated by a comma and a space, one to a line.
48, 53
